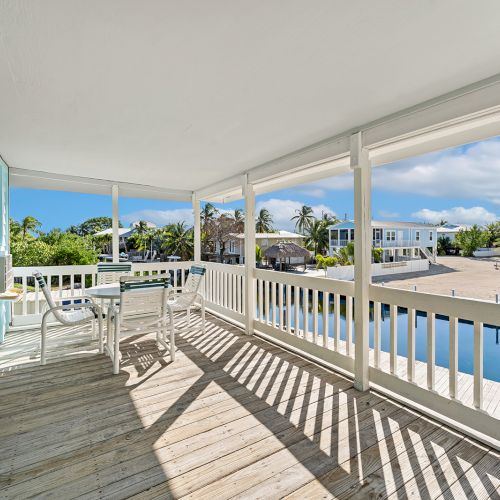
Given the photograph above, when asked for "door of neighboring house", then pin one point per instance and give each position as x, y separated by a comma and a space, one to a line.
377, 236
400, 235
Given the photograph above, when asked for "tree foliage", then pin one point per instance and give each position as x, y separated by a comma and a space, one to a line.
303, 219
264, 222
469, 240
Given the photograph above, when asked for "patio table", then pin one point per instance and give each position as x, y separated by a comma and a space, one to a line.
111, 292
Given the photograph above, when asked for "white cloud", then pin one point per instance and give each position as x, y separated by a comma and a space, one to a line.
456, 215
161, 217
283, 210
470, 172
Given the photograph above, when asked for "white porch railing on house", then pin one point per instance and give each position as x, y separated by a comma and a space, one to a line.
380, 243
315, 317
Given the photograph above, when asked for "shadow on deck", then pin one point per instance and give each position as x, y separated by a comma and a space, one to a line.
233, 416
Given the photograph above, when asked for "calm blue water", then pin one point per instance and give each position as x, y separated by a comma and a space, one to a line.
465, 336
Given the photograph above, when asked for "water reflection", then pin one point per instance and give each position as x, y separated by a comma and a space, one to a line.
491, 365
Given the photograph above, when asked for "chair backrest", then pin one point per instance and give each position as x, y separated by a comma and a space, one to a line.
60, 316
143, 296
112, 272
194, 278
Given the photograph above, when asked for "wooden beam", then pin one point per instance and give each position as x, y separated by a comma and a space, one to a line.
115, 224
197, 229
250, 261
360, 163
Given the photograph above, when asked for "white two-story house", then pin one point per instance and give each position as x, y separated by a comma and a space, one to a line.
400, 241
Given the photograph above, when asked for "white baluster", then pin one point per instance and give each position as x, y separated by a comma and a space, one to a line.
453, 371
336, 321
410, 370
296, 307
280, 306
393, 354
260, 285
431, 350
326, 301
348, 319
288, 308
377, 306
305, 312
273, 303
315, 316
478, 365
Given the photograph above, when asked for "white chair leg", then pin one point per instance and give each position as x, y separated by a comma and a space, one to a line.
172, 337
43, 342
116, 351
203, 327
101, 333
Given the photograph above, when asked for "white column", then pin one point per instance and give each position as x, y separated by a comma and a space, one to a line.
360, 163
249, 194
114, 225
197, 229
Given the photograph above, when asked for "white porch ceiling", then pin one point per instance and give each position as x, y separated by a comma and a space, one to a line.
182, 95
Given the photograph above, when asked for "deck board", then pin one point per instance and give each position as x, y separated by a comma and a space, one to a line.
233, 416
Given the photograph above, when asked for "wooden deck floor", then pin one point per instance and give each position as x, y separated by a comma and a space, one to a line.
234, 416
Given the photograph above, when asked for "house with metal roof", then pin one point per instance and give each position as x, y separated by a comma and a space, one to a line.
400, 241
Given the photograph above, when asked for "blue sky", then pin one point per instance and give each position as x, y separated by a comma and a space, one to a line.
460, 185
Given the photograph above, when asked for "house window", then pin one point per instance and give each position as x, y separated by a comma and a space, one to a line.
417, 235
390, 235
430, 235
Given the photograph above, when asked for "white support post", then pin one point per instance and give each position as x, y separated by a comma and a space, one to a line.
250, 260
360, 163
114, 225
197, 229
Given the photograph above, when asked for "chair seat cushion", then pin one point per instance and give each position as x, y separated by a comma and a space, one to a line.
75, 315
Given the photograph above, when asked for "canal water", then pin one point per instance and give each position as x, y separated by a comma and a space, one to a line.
491, 368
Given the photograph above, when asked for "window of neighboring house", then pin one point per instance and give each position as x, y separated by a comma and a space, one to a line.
430, 235
352, 234
417, 235
232, 246
415, 252
390, 235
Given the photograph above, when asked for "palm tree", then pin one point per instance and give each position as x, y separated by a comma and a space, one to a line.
303, 219
239, 219
264, 221
317, 238
178, 240
29, 224
208, 213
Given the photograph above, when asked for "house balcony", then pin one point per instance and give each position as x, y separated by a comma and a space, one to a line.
250, 412
380, 243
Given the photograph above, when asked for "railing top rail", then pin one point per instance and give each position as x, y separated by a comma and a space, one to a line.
20, 272
313, 283
228, 268
456, 307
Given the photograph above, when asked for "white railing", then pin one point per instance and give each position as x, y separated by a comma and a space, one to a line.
315, 316
291, 307
380, 243
417, 381
224, 289
71, 281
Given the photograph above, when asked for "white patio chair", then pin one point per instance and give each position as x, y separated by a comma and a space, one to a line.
142, 309
185, 298
86, 311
